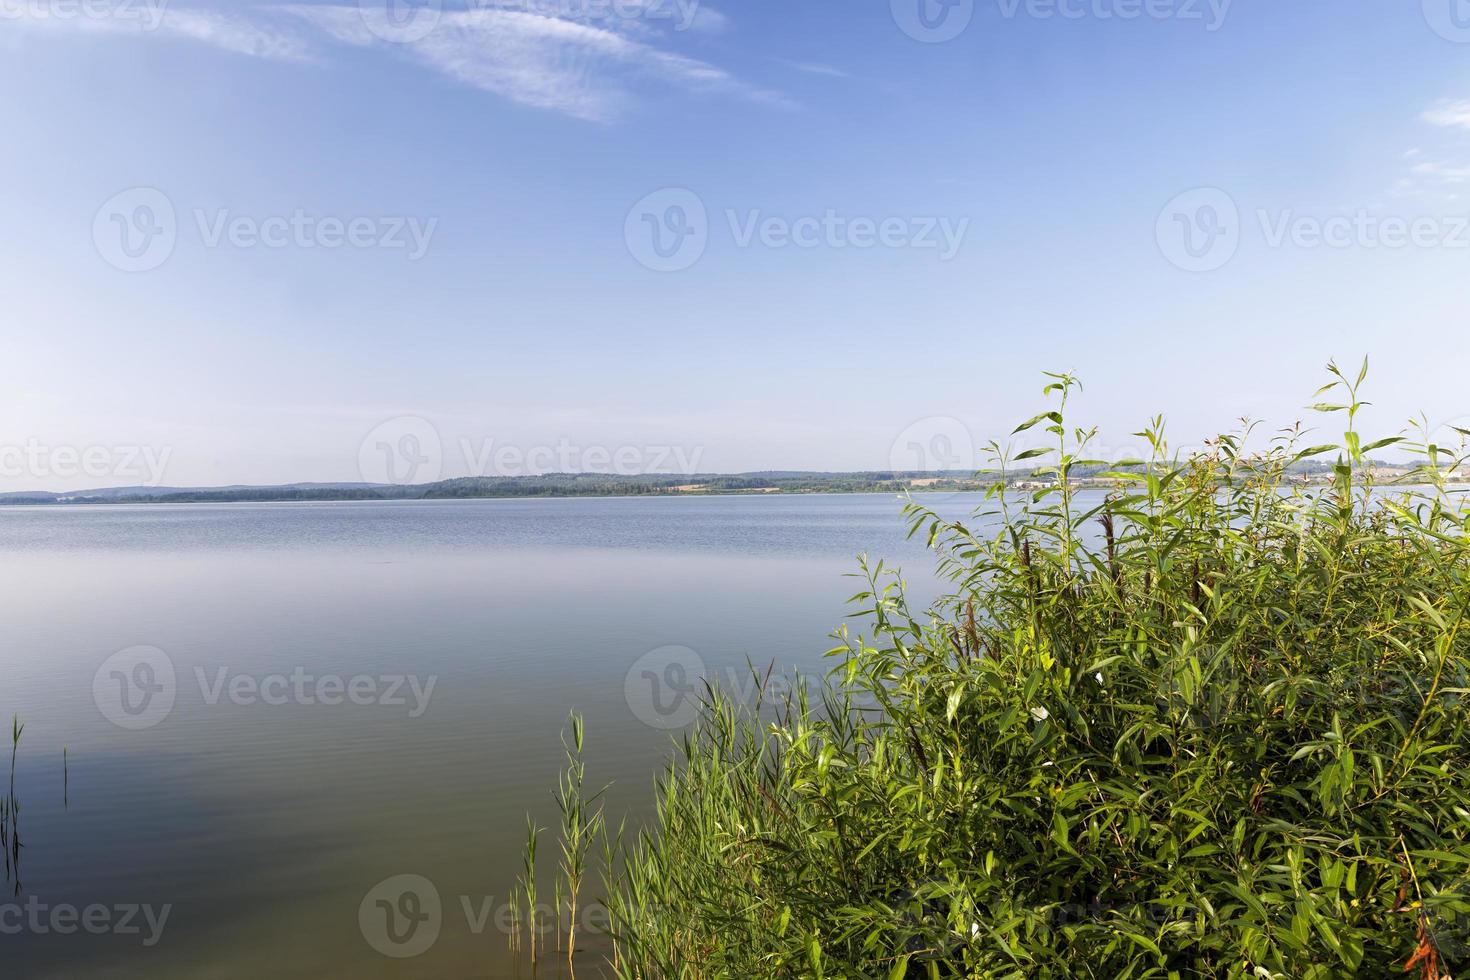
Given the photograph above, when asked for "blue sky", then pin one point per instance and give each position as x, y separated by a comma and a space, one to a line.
970, 212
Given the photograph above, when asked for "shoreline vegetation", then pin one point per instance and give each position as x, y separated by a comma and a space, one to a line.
1210, 726
1097, 475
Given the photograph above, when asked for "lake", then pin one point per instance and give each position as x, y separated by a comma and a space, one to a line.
269, 710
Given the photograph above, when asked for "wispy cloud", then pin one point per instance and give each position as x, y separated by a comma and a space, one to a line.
1448, 113
1449, 173
229, 32
707, 21
813, 68
1431, 173
236, 34
585, 66
589, 72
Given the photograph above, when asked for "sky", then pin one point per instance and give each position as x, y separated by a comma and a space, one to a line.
277, 242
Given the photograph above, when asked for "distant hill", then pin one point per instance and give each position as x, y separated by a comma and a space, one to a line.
549, 485
582, 485
114, 494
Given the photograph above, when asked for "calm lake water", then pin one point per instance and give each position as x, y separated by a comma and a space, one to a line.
270, 709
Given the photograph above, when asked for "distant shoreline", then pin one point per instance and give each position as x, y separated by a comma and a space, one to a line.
592, 485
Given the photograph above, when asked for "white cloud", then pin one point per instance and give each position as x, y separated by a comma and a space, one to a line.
346, 25
1450, 114
236, 34
555, 63
1431, 176
624, 16
678, 15
1448, 173
587, 60
227, 32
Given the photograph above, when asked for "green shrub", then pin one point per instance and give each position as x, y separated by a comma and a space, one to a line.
1211, 727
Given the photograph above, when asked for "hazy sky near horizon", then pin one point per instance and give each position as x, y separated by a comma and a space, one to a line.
275, 242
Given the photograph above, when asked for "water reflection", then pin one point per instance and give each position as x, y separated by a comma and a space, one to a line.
287, 777
10, 815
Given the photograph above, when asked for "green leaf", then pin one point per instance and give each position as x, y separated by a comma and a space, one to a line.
1044, 416
1381, 443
